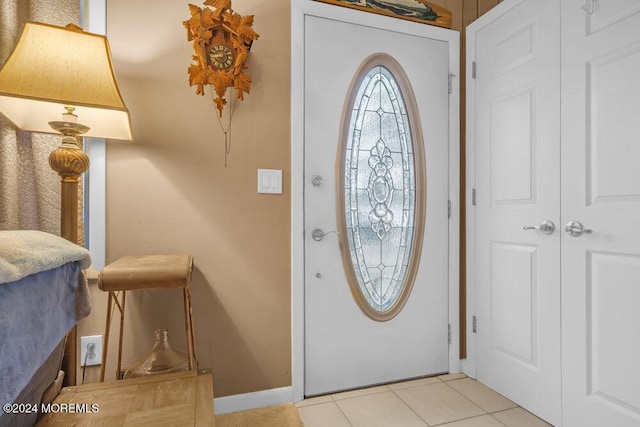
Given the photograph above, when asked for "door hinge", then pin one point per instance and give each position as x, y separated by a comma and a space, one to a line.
449, 333
473, 197
473, 70
474, 324
449, 209
451, 76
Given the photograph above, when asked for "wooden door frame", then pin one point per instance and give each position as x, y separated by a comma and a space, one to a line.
300, 9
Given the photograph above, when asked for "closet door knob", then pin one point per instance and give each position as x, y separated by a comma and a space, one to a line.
546, 227
575, 229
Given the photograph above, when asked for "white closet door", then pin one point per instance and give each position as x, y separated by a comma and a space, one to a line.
601, 190
517, 172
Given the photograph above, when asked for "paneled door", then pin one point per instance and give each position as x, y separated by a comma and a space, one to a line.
583, 276
601, 191
376, 138
517, 212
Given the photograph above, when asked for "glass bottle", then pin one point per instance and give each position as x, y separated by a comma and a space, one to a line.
162, 359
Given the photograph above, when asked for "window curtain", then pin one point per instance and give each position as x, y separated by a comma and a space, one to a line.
29, 189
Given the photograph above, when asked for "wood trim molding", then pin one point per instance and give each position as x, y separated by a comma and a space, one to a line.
444, 16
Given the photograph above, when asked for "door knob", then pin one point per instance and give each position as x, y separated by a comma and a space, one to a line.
317, 181
318, 234
575, 229
546, 227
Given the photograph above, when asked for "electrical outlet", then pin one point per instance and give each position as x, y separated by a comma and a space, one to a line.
91, 350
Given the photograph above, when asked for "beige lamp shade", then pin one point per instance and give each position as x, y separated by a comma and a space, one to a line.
52, 67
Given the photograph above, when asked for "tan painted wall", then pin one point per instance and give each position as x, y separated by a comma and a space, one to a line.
169, 192
485, 5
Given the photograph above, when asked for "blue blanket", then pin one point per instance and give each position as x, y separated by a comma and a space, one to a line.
43, 293
35, 314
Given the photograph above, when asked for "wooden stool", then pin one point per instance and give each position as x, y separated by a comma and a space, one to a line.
137, 272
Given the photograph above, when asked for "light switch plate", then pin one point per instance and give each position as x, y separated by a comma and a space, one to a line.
270, 181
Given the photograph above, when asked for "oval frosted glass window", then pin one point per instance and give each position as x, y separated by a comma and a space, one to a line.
380, 200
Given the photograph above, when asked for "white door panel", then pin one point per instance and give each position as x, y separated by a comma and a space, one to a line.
344, 348
601, 189
517, 171
519, 160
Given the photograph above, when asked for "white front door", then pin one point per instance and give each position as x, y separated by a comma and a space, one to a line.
601, 190
517, 171
344, 347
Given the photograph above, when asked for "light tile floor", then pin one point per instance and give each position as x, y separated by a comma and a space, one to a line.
448, 400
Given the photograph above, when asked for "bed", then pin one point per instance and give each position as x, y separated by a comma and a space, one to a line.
43, 294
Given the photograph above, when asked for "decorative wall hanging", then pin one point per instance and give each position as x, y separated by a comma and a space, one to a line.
421, 11
221, 40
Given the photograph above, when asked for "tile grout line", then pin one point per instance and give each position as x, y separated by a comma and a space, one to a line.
409, 406
335, 402
360, 395
313, 404
524, 409
417, 385
488, 412
472, 402
389, 389
491, 415
385, 388
508, 409
460, 419
469, 418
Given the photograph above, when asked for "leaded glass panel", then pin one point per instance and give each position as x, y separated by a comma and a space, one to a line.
379, 188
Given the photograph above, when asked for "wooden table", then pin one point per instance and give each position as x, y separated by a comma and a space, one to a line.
178, 399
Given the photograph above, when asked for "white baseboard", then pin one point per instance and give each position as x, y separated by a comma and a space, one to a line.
258, 399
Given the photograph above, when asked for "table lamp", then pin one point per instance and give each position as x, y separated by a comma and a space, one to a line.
64, 70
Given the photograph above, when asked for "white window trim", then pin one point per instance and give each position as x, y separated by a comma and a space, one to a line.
96, 149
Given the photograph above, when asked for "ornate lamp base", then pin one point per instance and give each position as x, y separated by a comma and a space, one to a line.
70, 162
